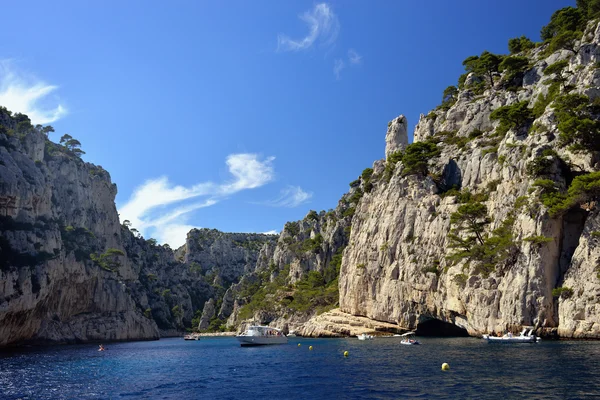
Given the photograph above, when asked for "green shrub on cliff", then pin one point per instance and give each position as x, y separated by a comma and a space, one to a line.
470, 242
513, 65
558, 69
312, 245
564, 28
577, 122
513, 116
390, 164
366, 178
449, 97
544, 99
562, 292
72, 145
567, 19
109, 260
589, 8
293, 228
583, 189
416, 156
484, 65
519, 44
542, 164
539, 240
312, 215
177, 312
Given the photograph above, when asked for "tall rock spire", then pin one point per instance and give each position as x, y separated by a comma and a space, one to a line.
396, 137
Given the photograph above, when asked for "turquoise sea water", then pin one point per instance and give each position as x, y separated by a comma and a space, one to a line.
218, 368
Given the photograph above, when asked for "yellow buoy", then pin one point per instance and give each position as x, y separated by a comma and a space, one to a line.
299, 344
310, 347
445, 367
346, 354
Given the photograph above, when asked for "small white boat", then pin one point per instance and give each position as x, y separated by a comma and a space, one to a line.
364, 336
192, 336
407, 338
291, 334
524, 337
261, 335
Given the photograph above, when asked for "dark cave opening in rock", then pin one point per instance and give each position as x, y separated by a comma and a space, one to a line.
572, 228
435, 327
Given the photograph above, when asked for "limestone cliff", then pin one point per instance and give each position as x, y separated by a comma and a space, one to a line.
56, 210
404, 263
488, 221
296, 278
70, 272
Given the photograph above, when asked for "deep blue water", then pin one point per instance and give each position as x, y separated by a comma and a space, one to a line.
218, 368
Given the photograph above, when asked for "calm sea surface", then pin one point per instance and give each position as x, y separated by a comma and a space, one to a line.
218, 368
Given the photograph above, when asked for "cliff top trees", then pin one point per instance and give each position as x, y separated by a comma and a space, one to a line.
564, 20
589, 8
449, 97
519, 44
73, 145
484, 65
513, 65
565, 28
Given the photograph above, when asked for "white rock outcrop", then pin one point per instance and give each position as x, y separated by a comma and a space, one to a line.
396, 137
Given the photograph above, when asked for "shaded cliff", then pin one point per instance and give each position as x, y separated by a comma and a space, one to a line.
70, 272
55, 211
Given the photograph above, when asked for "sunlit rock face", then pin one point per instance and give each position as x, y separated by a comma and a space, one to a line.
397, 135
70, 272
396, 267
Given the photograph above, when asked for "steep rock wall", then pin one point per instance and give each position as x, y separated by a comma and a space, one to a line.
52, 203
396, 268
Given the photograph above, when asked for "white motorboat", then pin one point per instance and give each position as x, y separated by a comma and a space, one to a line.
364, 336
408, 339
524, 337
261, 335
292, 334
192, 336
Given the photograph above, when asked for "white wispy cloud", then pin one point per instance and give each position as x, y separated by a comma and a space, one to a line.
23, 94
354, 57
291, 196
174, 234
323, 26
338, 66
150, 207
271, 232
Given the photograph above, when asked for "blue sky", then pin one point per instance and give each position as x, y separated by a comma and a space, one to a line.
240, 115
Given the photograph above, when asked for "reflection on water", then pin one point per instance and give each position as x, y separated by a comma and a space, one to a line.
378, 369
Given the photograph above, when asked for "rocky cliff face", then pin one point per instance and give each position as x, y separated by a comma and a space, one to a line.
297, 277
401, 264
70, 272
487, 222
53, 207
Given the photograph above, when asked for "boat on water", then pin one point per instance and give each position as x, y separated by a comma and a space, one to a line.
192, 336
526, 336
408, 338
292, 334
261, 335
364, 336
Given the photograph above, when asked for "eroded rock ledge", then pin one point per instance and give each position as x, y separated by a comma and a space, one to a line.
336, 323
